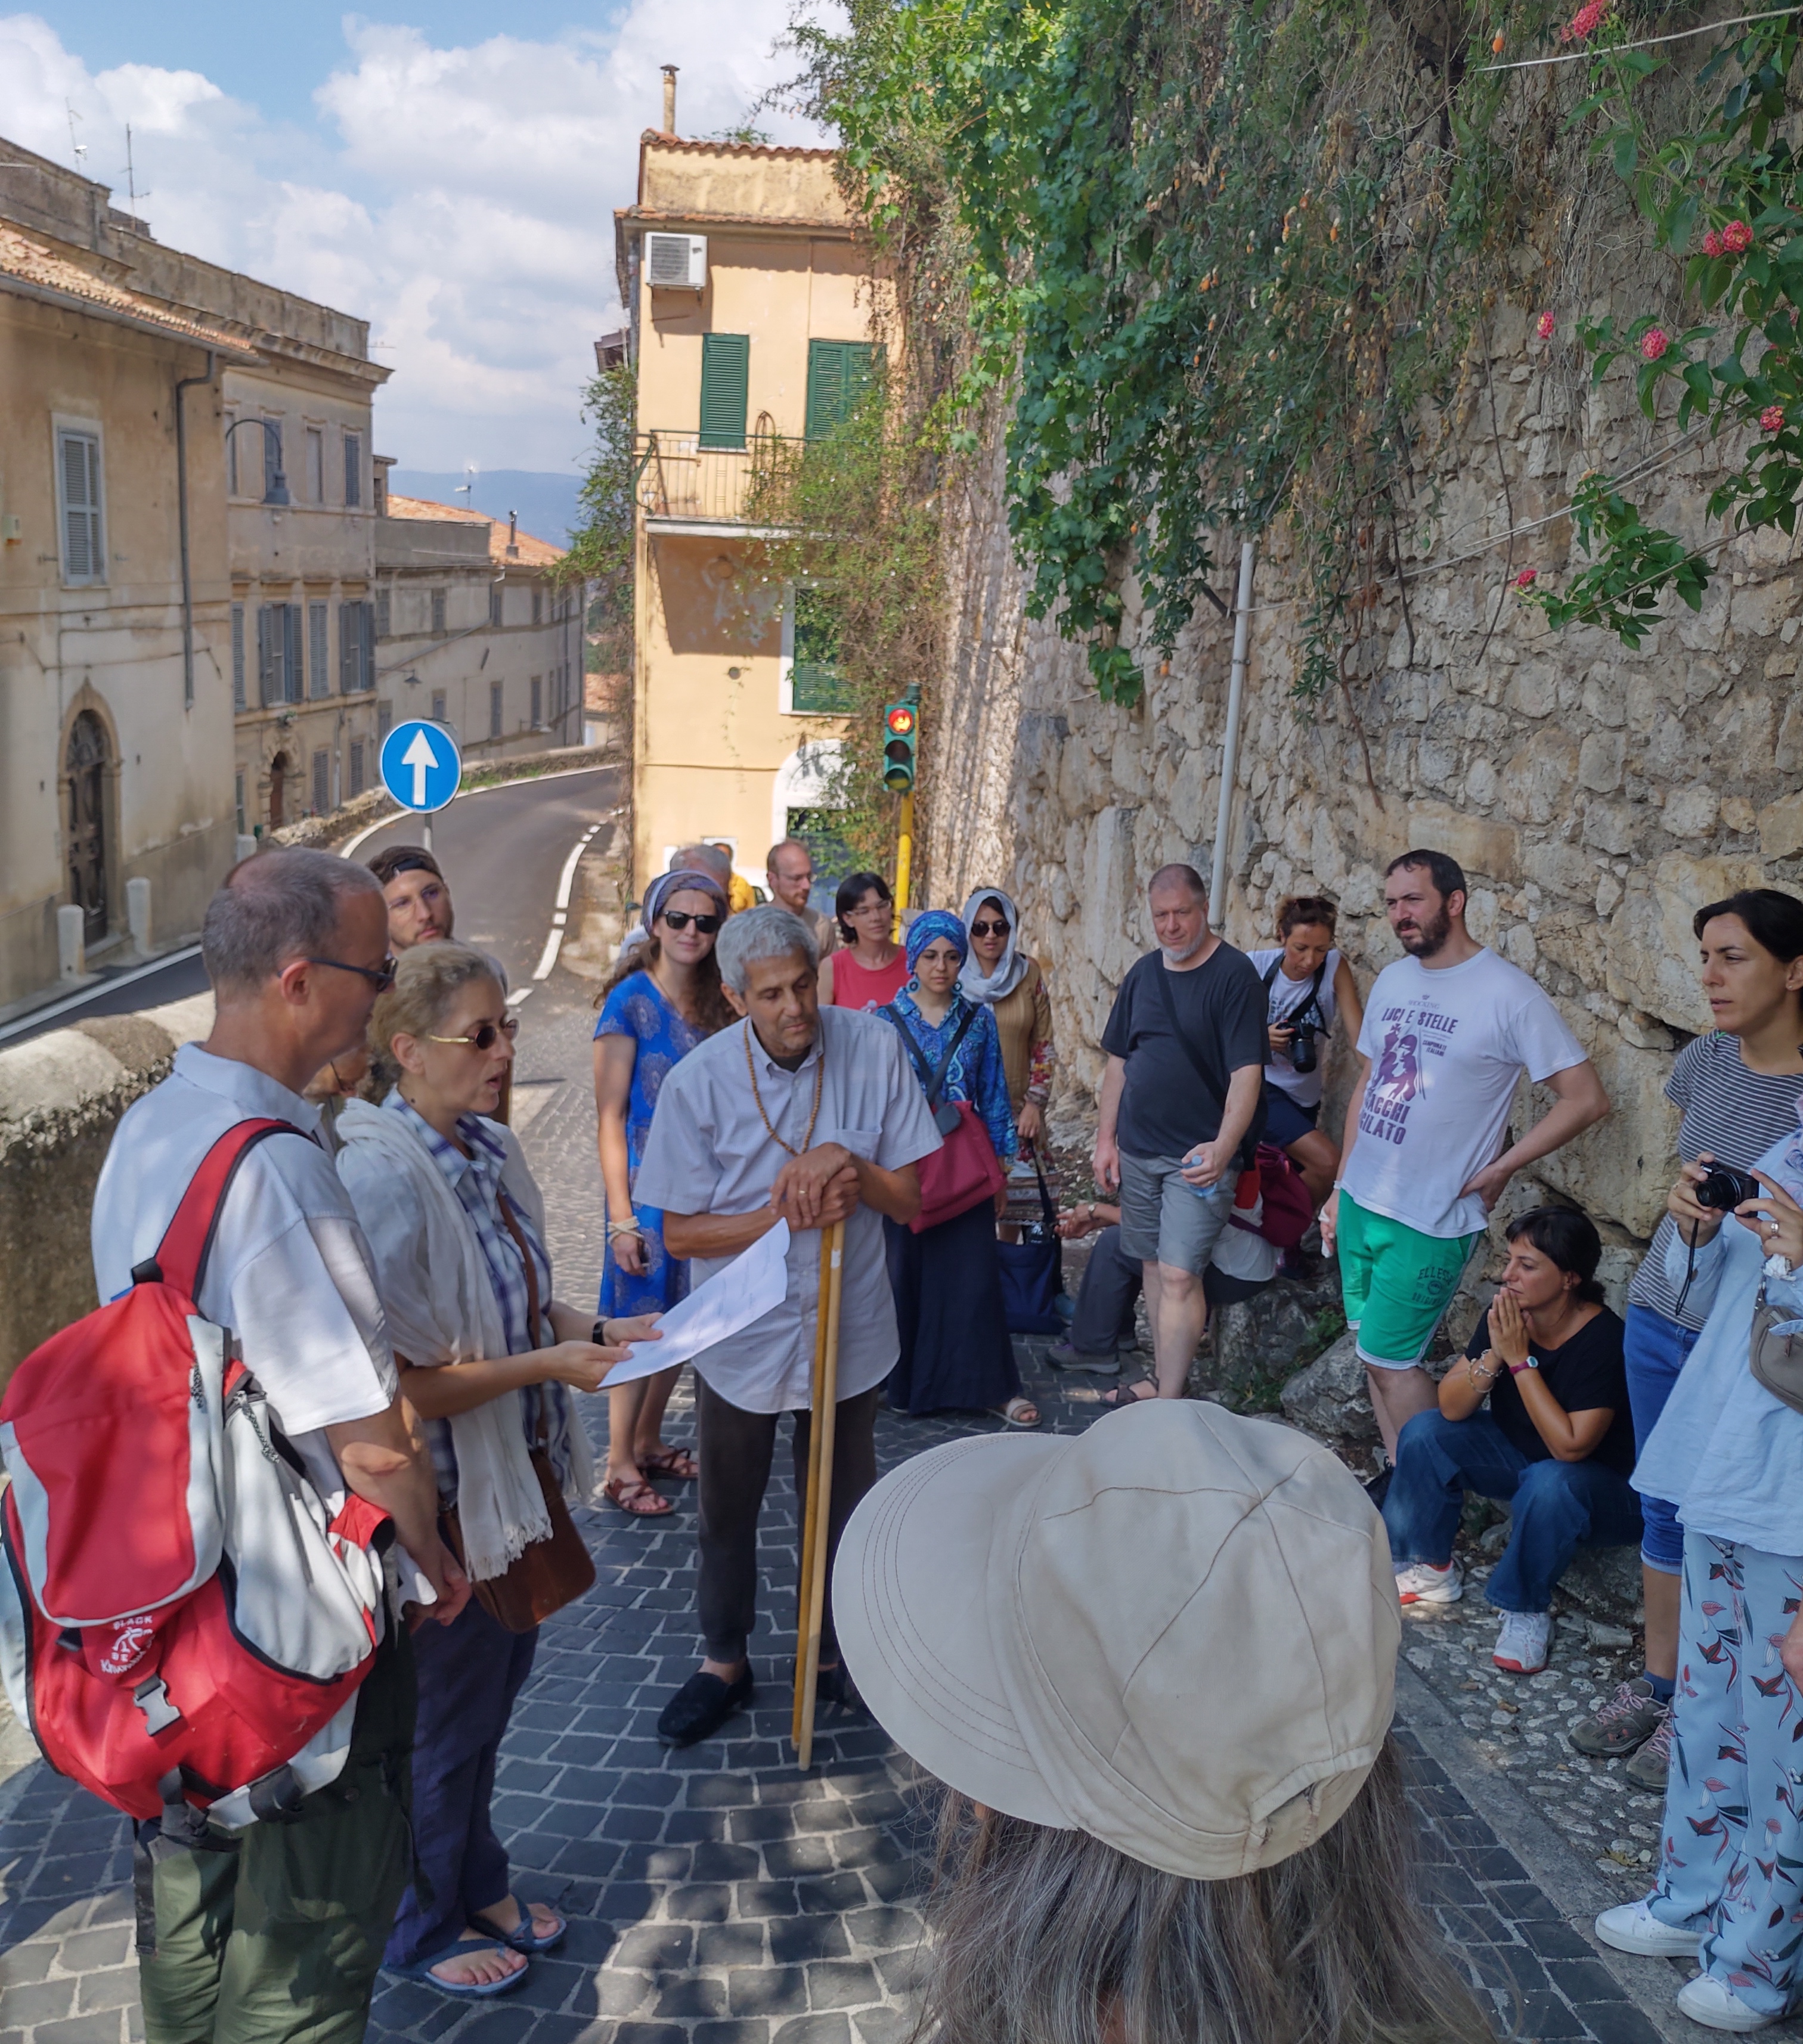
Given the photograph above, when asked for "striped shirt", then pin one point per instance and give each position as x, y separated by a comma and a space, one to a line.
1736, 1115
476, 1181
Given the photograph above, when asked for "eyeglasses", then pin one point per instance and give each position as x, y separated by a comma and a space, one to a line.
680, 919
380, 977
484, 1036
988, 929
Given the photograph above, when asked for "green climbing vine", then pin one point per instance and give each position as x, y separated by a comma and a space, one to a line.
1725, 199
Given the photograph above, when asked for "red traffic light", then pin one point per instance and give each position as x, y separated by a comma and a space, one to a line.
900, 719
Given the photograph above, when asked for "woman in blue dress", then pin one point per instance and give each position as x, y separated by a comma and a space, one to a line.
956, 1353
664, 1000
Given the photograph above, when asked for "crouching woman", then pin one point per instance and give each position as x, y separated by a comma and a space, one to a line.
1557, 1444
489, 1358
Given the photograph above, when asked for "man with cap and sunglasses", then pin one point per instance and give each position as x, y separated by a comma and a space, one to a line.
1173, 1811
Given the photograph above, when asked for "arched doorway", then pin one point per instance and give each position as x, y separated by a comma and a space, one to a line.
278, 790
84, 768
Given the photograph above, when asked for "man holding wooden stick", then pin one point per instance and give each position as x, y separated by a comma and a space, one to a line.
812, 1117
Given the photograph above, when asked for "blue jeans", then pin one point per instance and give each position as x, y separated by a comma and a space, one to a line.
1655, 1350
1558, 1506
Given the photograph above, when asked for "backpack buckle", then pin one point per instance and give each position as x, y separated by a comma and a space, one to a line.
151, 1697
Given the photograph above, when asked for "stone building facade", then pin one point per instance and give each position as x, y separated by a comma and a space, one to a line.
1597, 796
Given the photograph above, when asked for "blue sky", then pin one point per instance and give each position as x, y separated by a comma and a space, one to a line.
452, 183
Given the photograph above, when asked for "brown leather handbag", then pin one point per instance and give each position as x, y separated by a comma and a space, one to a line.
558, 1569
1776, 1360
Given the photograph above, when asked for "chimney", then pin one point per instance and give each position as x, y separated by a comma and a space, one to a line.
669, 72
513, 536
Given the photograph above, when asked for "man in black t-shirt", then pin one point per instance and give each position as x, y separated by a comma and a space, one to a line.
1557, 1442
1182, 1112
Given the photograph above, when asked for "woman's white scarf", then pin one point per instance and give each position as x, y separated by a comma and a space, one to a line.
440, 1307
1010, 968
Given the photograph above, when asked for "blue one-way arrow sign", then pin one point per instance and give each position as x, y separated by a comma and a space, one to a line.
421, 767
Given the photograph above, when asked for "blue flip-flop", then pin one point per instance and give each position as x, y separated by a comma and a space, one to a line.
521, 1937
464, 1990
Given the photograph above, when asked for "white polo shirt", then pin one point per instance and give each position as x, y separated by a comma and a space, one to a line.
710, 1152
289, 1273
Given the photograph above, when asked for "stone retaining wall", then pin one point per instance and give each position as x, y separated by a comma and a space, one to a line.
1596, 796
61, 1096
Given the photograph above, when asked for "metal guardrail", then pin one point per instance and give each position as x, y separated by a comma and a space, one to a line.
678, 478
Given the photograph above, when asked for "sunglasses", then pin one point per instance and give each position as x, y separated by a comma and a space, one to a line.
680, 919
988, 929
380, 977
485, 1036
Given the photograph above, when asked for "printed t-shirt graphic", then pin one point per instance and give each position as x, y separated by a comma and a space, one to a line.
1447, 1049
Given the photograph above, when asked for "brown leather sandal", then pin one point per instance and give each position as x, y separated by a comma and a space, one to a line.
635, 1498
676, 1463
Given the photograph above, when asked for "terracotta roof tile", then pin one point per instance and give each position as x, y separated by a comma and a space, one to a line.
31, 263
664, 141
533, 554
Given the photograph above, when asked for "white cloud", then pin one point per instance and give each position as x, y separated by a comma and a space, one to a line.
461, 200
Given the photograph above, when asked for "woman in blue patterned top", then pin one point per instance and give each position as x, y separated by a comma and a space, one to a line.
956, 1354
664, 1000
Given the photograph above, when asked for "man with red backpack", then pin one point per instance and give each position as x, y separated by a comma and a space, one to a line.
274, 1929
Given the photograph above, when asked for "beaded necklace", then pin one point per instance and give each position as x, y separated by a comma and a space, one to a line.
813, 1115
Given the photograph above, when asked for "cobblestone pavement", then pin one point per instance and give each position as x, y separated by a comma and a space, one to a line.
715, 1896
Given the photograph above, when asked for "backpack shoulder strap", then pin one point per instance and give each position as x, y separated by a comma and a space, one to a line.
181, 1256
931, 1080
1270, 972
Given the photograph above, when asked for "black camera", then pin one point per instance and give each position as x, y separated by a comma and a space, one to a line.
1723, 1188
1302, 1054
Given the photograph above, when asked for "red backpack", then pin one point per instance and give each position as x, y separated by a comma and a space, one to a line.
180, 1617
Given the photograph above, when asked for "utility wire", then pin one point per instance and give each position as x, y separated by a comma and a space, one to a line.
1677, 36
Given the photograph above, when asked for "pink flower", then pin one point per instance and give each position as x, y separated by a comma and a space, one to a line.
1713, 244
1654, 343
1771, 419
1527, 576
1737, 237
1585, 22
1544, 329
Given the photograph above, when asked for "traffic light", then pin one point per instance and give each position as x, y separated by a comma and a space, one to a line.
901, 735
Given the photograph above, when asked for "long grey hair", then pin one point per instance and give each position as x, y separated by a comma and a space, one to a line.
1051, 1937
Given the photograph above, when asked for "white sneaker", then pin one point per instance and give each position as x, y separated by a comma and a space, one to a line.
1420, 1582
1631, 1927
1521, 1642
1707, 2001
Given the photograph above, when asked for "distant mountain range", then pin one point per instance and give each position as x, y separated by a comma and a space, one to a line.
547, 503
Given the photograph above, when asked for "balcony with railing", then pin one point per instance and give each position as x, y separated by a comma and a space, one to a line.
680, 482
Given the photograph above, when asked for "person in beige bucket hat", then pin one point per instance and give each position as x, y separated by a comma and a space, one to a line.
1153, 1664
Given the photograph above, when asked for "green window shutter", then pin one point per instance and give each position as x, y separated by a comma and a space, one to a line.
726, 367
839, 374
815, 682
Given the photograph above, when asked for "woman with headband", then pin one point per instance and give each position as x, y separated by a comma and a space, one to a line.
956, 1354
664, 998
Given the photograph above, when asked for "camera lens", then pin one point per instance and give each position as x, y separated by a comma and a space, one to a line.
1302, 1049
1723, 1188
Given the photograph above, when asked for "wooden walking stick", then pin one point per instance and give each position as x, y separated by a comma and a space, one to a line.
817, 1517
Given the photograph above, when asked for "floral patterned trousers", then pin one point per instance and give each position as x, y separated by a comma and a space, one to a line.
1732, 1858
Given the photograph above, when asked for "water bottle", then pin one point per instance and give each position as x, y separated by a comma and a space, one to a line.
1222, 1187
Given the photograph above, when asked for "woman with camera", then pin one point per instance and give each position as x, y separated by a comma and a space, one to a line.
1737, 1088
1727, 1451
1309, 986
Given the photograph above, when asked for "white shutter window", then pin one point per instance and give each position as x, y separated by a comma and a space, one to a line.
77, 468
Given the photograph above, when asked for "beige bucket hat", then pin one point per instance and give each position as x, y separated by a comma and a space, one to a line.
1176, 1631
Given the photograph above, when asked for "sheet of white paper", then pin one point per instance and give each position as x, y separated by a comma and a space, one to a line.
750, 1286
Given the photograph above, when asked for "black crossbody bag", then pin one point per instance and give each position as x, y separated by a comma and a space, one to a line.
1207, 1071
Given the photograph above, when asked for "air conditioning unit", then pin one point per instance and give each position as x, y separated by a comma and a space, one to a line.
676, 262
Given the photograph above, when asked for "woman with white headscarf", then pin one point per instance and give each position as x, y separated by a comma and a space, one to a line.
999, 976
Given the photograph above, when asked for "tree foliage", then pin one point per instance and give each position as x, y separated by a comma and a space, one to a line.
600, 549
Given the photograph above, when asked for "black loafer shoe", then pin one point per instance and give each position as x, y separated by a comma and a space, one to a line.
701, 1706
1061, 1355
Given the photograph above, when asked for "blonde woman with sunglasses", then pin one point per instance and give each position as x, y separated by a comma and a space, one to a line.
663, 999
489, 1356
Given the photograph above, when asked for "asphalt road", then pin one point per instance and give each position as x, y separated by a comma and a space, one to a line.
502, 849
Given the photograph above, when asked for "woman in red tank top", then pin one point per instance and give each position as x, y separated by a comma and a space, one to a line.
869, 969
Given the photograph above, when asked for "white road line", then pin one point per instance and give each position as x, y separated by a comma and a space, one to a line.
566, 880
39, 1015
487, 788
519, 993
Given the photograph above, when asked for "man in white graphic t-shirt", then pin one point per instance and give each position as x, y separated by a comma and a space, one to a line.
1448, 1031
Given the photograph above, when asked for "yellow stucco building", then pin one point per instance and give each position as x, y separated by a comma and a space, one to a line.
754, 311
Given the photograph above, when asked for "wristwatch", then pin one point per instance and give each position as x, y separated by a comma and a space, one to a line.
1516, 1369
597, 1334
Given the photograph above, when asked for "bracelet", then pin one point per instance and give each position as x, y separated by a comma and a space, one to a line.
597, 1334
616, 1228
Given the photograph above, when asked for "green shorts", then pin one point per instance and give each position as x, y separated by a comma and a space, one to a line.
1396, 1283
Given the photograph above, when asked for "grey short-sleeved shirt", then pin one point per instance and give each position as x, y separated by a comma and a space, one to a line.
710, 1153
